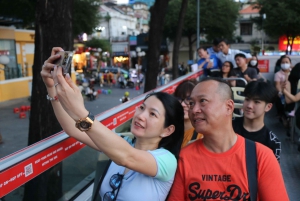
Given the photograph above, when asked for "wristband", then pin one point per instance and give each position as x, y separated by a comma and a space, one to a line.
55, 98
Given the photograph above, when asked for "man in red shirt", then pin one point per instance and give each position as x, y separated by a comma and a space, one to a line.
214, 168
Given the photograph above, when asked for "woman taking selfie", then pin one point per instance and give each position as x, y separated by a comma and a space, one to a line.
150, 159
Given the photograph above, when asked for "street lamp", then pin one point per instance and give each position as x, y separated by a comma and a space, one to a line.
139, 54
264, 16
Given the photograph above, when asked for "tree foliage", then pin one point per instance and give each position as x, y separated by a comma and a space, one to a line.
282, 18
19, 9
85, 15
217, 18
99, 43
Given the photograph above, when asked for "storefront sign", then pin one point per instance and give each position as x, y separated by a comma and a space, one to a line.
263, 66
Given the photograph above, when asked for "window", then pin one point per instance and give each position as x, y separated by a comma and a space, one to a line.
246, 29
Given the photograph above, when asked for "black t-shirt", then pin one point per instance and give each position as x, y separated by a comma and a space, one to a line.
263, 136
251, 72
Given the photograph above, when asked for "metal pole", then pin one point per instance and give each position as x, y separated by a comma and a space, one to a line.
198, 22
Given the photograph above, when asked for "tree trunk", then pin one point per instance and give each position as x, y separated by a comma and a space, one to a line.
191, 46
288, 44
53, 28
177, 39
292, 43
158, 13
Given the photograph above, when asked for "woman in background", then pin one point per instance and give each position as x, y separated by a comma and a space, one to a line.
182, 93
227, 72
253, 63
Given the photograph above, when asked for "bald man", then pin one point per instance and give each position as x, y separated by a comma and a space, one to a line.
214, 168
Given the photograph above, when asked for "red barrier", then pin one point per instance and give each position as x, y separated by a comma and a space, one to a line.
17, 175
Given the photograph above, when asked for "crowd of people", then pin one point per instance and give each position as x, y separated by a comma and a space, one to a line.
188, 146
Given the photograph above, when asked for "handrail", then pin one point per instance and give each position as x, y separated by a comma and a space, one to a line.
236, 78
52, 150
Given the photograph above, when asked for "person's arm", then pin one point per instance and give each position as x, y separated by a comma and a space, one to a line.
201, 64
251, 75
116, 148
232, 82
278, 86
63, 118
290, 98
248, 56
178, 191
270, 181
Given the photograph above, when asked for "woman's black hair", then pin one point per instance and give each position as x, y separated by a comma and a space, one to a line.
174, 115
184, 89
278, 62
230, 73
255, 66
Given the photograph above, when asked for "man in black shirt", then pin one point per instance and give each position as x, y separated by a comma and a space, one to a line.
249, 74
259, 98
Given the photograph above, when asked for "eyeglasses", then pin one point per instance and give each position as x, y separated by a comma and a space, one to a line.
185, 100
115, 183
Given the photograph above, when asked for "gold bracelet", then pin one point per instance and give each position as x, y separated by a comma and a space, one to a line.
55, 98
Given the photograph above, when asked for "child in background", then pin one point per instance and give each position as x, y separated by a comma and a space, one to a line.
125, 98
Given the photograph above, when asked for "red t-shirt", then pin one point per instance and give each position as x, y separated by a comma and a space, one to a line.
204, 175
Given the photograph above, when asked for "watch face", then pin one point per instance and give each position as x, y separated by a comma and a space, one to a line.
84, 124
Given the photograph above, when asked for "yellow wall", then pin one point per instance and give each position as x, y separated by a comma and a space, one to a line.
7, 33
25, 58
15, 88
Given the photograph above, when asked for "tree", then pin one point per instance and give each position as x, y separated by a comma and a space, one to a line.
85, 14
52, 29
99, 43
217, 19
23, 10
276, 25
177, 40
158, 12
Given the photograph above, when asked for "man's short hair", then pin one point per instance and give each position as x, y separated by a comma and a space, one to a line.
240, 55
224, 40
216, 41
204, 48
224, 88
260, 90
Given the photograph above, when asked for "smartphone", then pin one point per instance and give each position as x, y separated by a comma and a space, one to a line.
65, 60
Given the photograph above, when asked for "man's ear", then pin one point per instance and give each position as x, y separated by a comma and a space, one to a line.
268, 107
168, 131
229, 107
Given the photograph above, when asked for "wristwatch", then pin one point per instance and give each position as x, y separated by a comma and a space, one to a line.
85, 124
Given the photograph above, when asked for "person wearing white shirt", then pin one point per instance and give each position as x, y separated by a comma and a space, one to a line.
227, 54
